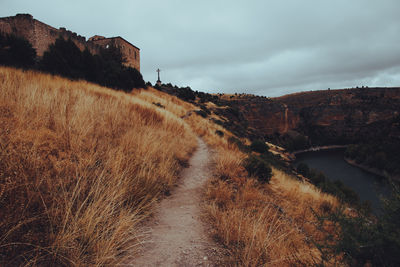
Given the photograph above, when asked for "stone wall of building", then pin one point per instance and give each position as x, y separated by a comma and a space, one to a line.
41, 36
130, 52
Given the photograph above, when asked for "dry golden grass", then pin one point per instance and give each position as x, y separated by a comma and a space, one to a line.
263, 224
80, 165
260, 224
170, 103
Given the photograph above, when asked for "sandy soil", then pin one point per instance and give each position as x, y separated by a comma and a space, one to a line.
176, 236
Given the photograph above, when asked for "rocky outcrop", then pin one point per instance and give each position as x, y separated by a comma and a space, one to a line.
325, 117
265, 116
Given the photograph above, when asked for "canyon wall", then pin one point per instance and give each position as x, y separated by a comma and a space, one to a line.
325, 117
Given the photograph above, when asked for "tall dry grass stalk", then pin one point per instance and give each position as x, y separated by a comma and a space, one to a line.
80, 165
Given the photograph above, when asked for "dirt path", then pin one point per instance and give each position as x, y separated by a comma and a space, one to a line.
176, 235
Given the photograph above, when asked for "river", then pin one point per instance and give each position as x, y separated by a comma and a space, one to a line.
370, 187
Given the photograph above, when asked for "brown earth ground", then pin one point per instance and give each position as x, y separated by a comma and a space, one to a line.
177, 236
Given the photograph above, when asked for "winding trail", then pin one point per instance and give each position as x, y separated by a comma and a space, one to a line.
176, 234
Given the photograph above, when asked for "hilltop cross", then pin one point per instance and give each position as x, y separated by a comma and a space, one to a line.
158, 81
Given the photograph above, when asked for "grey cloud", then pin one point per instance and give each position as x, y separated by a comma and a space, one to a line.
262, 47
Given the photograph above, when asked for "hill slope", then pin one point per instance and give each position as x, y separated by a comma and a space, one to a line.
82, 165
79, 167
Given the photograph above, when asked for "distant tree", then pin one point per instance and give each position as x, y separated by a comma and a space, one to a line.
303, 169
361, 240
259, 146
107, 68
112, 54
259, 168
92, 66
185, 93
115, 74
219, 133
130, 78
16, 51
242, 147
64, 58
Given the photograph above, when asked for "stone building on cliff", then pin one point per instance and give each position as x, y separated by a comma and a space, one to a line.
130, 52
41, 36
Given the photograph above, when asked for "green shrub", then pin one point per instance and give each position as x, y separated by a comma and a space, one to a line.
234, 111
219, 133
276, 161
64, 58
259, 168
259, 146
382, 154
361, 240
346, 193
16, 51
318, 178
186, 94
201, 113
303, 169
297, 142
205, 97
242, 147
351, 151
107, 69
205, 109
158, 104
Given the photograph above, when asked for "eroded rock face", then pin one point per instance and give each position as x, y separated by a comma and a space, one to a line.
334, 116
268, 117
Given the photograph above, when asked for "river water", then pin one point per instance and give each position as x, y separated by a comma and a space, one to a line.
368, 186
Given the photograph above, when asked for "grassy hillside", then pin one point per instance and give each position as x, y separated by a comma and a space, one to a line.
81, 166
262, 224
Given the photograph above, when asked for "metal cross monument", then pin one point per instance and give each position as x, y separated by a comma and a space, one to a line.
158, 70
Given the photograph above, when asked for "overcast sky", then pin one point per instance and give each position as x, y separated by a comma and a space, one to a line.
269, 47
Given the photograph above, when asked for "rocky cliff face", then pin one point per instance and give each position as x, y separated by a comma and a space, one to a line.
325, 117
